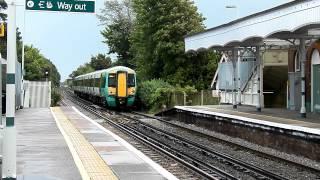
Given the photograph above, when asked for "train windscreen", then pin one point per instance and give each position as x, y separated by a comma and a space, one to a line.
131, 80
112, 80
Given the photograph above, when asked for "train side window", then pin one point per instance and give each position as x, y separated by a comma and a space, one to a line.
97, 82
131, 80
92, 82
112, 80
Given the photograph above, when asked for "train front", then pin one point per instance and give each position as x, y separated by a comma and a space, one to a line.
121, 87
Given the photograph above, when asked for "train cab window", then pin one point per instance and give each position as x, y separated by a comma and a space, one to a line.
131, 80
112, 80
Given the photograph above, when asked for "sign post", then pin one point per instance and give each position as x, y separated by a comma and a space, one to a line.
61, 5
9, 140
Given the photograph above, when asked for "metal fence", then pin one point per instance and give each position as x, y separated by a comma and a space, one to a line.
204, 97
37, 94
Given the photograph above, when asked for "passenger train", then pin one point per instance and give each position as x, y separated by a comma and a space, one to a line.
114, 87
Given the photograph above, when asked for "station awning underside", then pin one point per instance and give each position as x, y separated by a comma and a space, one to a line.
290, 21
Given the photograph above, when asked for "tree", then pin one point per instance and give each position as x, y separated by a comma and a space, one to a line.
83, 69
159, 34
36, 65
3, 6
118, 17
100, 62
158, 40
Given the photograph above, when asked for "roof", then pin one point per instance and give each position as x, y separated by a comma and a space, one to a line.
282, 22
116, 68
249, 16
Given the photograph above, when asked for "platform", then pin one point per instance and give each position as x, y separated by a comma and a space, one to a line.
94, 146
42, 153
278, 129
280, 118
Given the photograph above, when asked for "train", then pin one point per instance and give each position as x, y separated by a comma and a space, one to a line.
114, 87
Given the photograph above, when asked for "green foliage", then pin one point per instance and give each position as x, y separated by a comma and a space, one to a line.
36, 66
55, 97
157, 93
97, 62
158, 37
149, 36
3, 6
3, 43
100, 62
154, 93
118, 18
83, 69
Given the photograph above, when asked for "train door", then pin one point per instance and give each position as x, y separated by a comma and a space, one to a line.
122, 84
316, 81
102, 84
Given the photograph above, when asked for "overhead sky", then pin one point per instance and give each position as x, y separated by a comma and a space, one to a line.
70, 39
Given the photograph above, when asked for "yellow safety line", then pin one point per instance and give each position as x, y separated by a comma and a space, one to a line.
88, 161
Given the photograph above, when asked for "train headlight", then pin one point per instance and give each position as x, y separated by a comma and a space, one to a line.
112, 91
132, 91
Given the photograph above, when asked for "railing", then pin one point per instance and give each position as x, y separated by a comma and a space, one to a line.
204, 97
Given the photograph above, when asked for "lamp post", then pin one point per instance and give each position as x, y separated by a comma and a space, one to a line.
47, 74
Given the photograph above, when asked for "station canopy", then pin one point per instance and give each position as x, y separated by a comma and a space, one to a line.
284, 24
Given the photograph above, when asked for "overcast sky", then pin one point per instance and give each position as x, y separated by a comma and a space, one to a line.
70, 39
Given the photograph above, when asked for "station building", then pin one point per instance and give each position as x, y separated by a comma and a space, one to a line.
269, 59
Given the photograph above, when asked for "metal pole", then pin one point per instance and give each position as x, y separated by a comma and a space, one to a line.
239, 79
1, 77
258, 58
23, 58
201, 97
9, 140
302, 58
234, 99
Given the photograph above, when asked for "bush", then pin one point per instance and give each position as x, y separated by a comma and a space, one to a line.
55, 97
156, 93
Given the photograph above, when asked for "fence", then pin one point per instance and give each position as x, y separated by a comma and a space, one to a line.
204, 97
37, 94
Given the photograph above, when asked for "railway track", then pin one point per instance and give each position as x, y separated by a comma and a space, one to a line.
196, 164
288, 161
205, 170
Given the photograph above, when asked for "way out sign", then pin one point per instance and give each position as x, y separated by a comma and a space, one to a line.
61, 5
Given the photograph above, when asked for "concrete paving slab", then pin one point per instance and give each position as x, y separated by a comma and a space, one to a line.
42, 152
125, 161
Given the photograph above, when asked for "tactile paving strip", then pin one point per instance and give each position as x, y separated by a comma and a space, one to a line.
92, 165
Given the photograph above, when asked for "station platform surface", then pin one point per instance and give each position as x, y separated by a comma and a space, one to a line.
42, 153
120, 159
275, 117
62, 143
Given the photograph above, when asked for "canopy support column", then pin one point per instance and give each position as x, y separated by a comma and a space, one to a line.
234, 91
302, 58
259, 70
239, 77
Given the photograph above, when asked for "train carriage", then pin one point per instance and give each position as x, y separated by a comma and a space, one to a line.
113, 87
